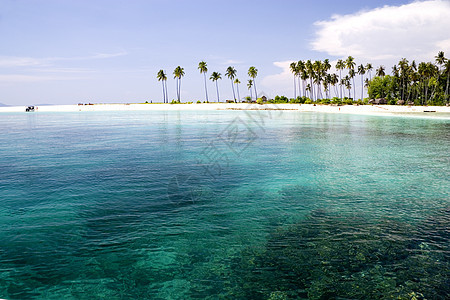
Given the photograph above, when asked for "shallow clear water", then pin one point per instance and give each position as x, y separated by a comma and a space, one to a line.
180, 205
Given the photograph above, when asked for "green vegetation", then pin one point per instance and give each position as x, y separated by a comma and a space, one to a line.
422, 84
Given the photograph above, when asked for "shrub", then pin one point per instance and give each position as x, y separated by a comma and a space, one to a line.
308, 101
348, 101
280, 99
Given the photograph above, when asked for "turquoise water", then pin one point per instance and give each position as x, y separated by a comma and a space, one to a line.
223, 204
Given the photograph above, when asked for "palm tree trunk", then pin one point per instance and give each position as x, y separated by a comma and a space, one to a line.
179, 91
304, 87
206, 89
251, 95
318, 90
254, 85
340, 78
232, 87
167, 93
178, 97
299, 86
237, 89
362, 87
295, 88
217, 88
446, 88
354, 87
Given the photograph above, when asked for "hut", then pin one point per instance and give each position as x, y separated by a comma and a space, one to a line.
378, 101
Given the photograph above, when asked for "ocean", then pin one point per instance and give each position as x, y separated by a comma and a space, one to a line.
223, 205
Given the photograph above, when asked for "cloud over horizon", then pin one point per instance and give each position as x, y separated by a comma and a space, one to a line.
416, 31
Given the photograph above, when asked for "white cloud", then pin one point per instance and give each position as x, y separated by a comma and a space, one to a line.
232, 62
416, 31
19, 78
281, 83
15, 61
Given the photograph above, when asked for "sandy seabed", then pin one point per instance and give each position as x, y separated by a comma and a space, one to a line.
345, 109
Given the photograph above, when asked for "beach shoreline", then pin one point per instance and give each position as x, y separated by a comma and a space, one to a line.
345, 109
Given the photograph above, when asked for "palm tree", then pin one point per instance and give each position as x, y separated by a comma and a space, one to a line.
447, 70
231, 73
326, 85
369, 69
426, 70
308, 89
350, 64
440, 60
404, 69
204, 69
362, 71
237, 82
178, 74
249, 86
163, 78
334, 81
340, 66
366, 83
253, 72
214, 77
352, 74
294, 70
301, 77
310, 71
380, 71
317, 67
348, 85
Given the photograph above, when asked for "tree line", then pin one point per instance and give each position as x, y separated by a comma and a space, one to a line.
425, 83
231, 73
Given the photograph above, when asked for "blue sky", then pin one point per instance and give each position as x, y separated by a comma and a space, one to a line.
65, 52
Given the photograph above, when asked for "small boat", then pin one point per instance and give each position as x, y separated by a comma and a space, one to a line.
429, 111
29, 109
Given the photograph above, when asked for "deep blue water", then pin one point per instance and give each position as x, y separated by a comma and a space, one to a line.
223, 204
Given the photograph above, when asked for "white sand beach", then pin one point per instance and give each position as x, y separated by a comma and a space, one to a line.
346, 109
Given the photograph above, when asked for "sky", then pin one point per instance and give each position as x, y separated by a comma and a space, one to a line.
109, 51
